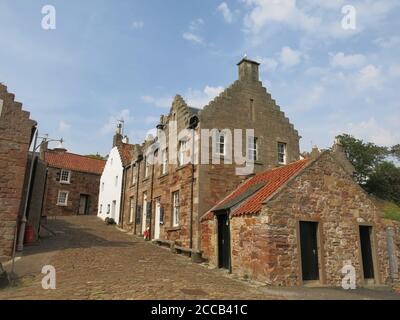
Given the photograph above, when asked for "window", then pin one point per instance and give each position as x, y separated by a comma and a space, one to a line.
65, 176
281, 153
133, 175
146, 168
220, 144
131, 207
102, 186
101, 209
108, 209
181, 153
252, 113
164, 161
252, 152
175, 209
62, 199
116, 181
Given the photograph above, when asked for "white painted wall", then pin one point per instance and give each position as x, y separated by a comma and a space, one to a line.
111, 191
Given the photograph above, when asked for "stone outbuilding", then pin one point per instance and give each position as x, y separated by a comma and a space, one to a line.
301, 224
73, 180
16, 134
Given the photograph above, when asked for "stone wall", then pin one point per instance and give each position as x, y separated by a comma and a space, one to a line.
81, 183
266, 247
15, 138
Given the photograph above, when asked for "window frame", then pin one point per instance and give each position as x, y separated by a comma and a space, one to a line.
131, 207
252, 149
164, 161
62, 174
60, 204
146, 168
175, 221
219, 144
182, 152
280, 153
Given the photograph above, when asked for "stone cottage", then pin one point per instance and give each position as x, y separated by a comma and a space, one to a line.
170, 194
113, 177
73, 180
16, 133
299, 224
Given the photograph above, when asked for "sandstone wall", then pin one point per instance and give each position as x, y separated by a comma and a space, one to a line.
15, 136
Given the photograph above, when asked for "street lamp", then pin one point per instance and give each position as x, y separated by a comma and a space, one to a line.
21, 235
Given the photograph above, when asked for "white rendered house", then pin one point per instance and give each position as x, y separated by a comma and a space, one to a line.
112, 179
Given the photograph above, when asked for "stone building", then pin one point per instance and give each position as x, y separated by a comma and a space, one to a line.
16, 132
170, 194
73, 180
113, 177
298, 224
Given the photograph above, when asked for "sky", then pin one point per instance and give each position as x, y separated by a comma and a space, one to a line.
108, 60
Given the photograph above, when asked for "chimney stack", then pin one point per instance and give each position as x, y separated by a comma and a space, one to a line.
248, 70
117, 140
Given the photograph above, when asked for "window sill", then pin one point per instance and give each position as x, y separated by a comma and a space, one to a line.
163, 175
182, 167
62, 205
146, 179
171, 229
65, 182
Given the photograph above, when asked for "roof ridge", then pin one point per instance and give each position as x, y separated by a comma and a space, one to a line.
72, 153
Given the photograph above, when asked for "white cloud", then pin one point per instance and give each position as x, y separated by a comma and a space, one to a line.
369, 77
347, 61
283, 11
163, 102
309, 99
289, 57
372, 131
63, 126
196, 24
137, 25
226, 12
267, 64
112, 121
200, 98
394, 70
191, 37
388, 42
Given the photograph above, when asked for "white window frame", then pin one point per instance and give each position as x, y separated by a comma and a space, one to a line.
101, 209
146, 168
68, 172
252, 148
175, 209
164, 161
108, 209
131, 207
65, 203
116, 181
102, 186
284, 152
133, 181
220, 144
182, 152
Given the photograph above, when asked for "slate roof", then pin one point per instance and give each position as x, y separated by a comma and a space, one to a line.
75, 162
250, 195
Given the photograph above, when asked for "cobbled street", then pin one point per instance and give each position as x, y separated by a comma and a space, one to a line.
96, 261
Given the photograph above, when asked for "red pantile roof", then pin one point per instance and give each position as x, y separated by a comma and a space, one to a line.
126, 153
272, 180
75, 162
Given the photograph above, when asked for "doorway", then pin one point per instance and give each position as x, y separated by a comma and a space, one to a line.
224, 247
83, 204
366, 252
309, 250
157, 220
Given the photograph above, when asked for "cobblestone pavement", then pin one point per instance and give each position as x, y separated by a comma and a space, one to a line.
95, 261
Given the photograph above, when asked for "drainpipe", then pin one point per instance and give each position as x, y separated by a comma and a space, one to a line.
122, 201
193, 122
151, 198
137, 190
20, 245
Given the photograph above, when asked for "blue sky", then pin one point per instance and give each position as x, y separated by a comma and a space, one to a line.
126, 59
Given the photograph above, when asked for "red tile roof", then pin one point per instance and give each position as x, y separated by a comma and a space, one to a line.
273, 180
126, 153
75, 162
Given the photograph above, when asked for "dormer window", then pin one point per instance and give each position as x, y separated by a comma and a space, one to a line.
65, 176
